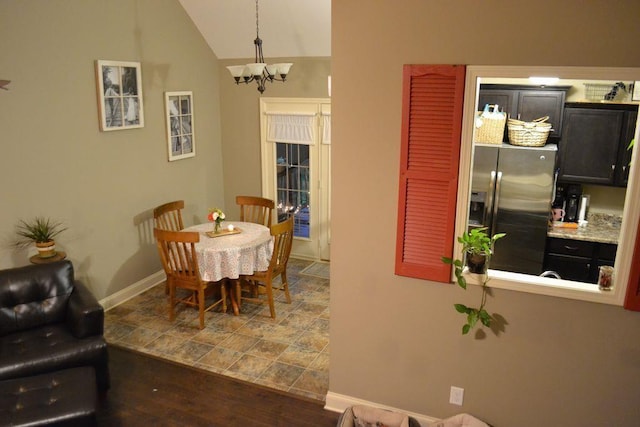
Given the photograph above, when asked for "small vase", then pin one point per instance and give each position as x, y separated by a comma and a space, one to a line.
477, 263
216, 227
46, 249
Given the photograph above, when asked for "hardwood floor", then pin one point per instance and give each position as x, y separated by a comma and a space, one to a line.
148, 391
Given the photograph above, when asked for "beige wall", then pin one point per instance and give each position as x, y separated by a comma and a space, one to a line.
54, 161
396, 341
240, 119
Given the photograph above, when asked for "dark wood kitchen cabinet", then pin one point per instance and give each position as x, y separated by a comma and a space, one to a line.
624, 154
527, 103
593, 149
577, 259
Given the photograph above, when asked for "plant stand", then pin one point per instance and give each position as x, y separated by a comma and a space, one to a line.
37, 259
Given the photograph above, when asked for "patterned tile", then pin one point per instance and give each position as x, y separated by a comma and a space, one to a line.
312, 381
221, 358
251, 366
239, 342
267, 349
299, 356
282, 374
289, 353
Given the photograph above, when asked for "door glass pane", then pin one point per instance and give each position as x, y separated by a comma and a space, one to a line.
292, 170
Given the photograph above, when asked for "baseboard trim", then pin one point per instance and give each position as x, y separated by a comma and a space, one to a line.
132, 290
339, 402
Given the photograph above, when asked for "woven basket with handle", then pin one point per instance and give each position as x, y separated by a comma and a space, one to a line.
529, 134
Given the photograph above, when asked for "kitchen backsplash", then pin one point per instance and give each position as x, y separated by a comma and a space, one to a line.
605, 200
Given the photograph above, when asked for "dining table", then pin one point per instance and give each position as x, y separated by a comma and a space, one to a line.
239, 248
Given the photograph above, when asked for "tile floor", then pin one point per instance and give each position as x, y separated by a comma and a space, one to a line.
290, 353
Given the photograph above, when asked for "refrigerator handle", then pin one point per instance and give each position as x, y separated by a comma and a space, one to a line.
488, 209
494, 220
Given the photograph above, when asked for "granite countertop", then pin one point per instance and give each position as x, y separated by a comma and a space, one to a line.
602, 228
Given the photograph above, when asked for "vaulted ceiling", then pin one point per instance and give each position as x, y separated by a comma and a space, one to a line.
288, 28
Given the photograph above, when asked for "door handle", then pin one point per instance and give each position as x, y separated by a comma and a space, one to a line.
488, 209
496, 202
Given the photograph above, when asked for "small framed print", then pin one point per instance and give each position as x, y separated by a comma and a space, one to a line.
181, 142
119, 87
635, 96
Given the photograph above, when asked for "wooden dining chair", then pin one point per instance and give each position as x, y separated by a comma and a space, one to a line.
169, 216
255, 209
252, 287
180, 261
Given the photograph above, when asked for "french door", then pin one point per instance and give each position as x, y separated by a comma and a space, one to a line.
296, 153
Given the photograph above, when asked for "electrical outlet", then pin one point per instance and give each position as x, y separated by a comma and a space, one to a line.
456, 396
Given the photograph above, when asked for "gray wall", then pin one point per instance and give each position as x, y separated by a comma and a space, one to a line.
395, 340
103, 185
241, 120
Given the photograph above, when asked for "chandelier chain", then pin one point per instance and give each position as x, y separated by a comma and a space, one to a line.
257, 21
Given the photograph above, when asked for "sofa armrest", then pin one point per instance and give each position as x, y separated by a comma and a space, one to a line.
85, 316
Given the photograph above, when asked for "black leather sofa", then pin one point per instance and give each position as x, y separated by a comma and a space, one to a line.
49, 322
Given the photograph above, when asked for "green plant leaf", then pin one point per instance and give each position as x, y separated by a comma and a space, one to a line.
447, 260
485, 317
472, 317
462, 282
465, 329
461, 308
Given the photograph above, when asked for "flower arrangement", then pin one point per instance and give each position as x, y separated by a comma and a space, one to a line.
216, 215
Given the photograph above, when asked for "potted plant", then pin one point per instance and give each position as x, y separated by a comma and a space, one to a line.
477, 248
40, 231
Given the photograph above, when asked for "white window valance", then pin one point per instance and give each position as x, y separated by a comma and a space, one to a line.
326, 128
293, 128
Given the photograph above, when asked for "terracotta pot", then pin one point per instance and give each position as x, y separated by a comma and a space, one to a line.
476, 263
46, 249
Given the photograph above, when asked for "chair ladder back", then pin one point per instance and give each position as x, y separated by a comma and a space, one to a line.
178, 253
255, 209
283, 239
169, 216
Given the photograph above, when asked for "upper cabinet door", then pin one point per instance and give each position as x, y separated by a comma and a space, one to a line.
589, 147
624, 153
534, 104
506, 100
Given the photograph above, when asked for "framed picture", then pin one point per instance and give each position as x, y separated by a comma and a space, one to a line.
119, 86
181, 143
635, 96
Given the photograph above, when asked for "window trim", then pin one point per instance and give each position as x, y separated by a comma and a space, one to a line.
631, 212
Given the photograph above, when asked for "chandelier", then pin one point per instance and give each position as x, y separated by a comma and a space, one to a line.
259, 71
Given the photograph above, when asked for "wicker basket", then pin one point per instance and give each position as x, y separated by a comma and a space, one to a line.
490, 126
529, 134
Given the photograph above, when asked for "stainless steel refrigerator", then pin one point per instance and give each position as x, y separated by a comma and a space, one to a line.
511, 192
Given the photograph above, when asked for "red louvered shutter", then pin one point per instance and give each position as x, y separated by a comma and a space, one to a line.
431, 130
632, 300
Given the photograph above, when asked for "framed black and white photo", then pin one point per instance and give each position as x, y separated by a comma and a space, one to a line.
119, 86
179, 114
635, 96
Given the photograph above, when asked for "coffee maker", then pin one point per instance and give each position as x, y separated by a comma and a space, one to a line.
573, 193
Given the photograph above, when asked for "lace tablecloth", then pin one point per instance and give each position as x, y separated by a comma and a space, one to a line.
232, 255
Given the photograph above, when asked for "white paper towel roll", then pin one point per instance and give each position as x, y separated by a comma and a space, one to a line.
583, 208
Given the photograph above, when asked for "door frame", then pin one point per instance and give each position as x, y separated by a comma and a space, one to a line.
317, 246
